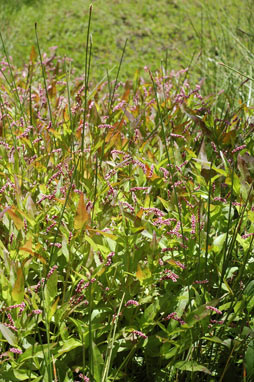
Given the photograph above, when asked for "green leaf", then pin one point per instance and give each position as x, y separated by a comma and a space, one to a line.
51, 286
8, 335
98, 363
215, 339
249, 290
24, 375
249, 360
36, 351
219, 241
69, 345
150, 312
191, 366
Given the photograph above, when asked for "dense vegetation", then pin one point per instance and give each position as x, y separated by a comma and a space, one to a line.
126, 221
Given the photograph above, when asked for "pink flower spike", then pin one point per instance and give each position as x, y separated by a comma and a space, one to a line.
131, 302
193, 224
37, 311
84, 378
221, 322
15, 351
174, 316
213, 309
201, 282
139, 334
239, 148
52, 270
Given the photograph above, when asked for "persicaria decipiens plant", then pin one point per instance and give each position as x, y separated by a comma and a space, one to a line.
125, 217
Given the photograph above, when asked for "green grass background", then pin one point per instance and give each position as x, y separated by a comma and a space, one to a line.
189, 31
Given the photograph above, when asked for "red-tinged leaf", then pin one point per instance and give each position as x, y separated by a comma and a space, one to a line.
56, 133
28, 246
82, 217
39, 257
18, 182
148, 170
53, 308
30, 206
18, 289
106, 234
101, 271
33, 54
143, 274
140, 213
8, 335
229, 137
16, 219
126, 94
66, 114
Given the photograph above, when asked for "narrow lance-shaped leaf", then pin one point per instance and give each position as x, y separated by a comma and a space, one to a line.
16, 219
82, 216
18, 289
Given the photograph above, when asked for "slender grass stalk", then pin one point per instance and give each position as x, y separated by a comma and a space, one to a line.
67, 77
95, 187
227, 363
91, 358
52, 252
111, 340
202, 43
87, 73
199, 238
238, 226
224, 262
125, 361
168, 159
5, 112
236, 71
111, 99
47, 357
13, 84
30, 100
43, 74
243, 266
208, 221
112, 96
